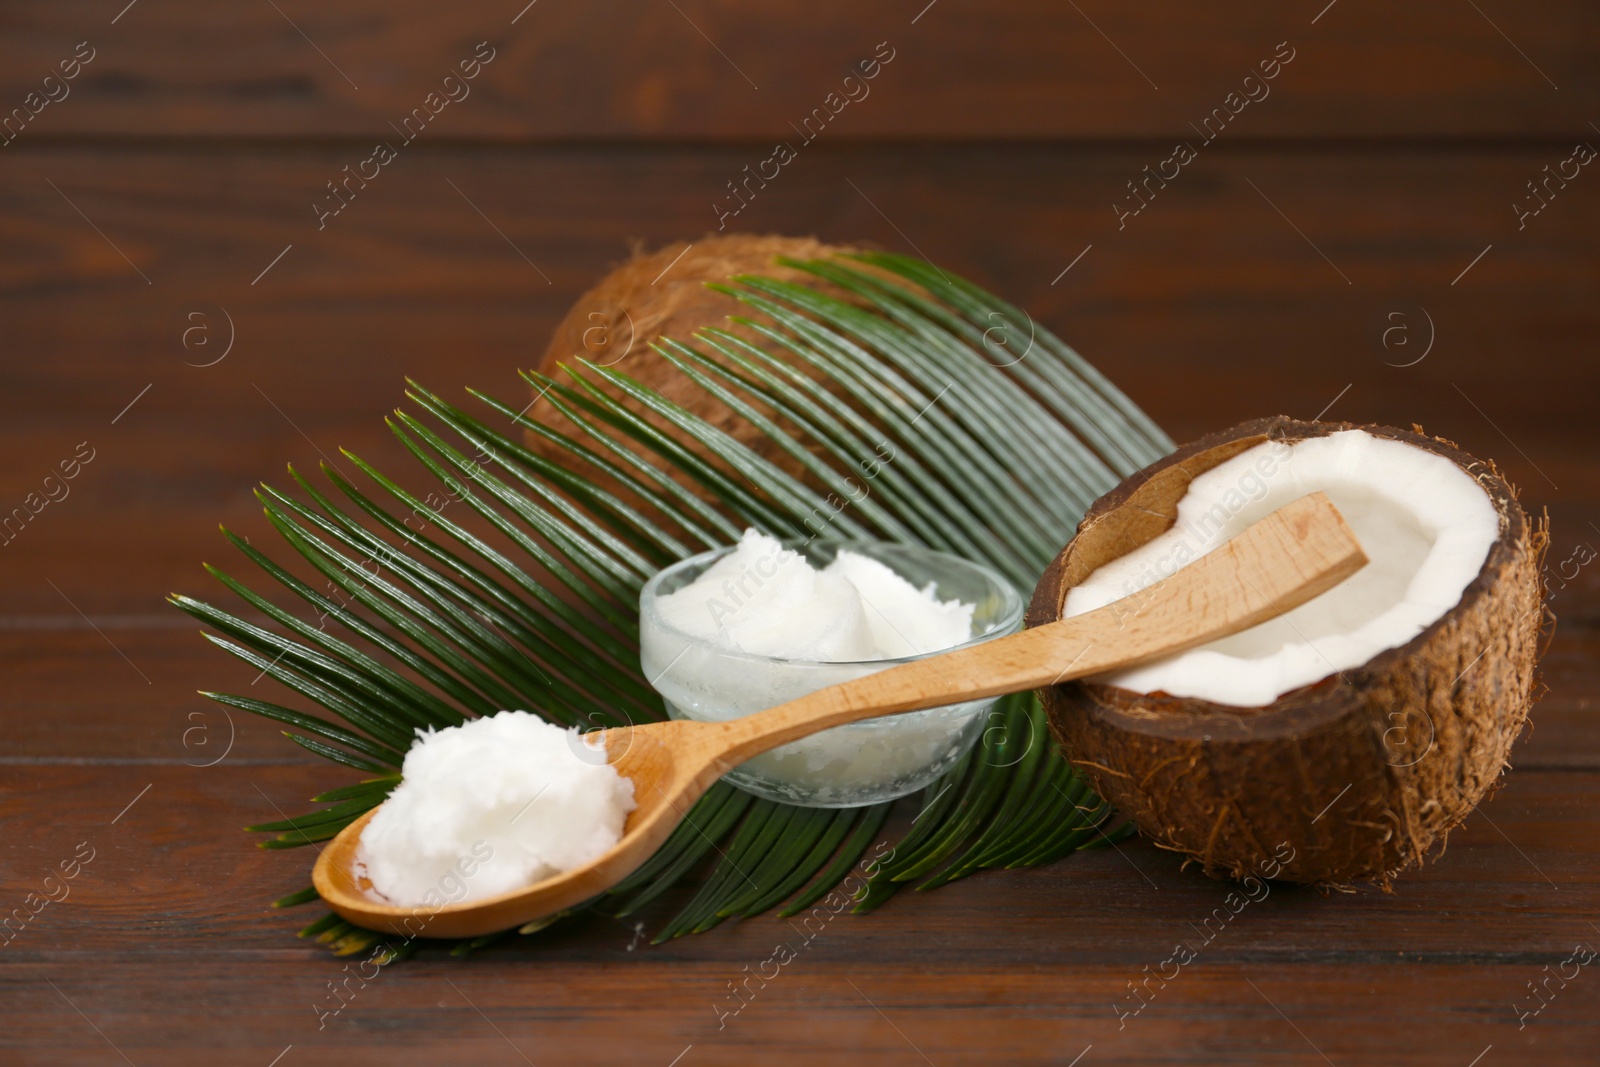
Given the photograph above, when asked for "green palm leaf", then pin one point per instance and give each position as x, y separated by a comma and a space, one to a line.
917, 408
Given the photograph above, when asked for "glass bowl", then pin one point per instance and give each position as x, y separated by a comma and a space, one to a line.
862, 763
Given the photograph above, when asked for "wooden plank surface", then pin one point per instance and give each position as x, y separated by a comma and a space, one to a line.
612, 69
178, 179
1018, 966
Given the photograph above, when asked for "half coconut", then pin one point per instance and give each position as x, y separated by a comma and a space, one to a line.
1340, 742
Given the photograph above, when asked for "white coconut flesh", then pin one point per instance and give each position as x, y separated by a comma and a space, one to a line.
1424, 523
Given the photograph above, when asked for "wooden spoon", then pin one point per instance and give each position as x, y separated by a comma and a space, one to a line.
1282, 561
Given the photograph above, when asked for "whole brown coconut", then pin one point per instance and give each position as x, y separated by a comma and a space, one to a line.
1351, 779
664, 293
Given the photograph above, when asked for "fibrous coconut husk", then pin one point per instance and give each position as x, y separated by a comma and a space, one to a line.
1356, 777
663, 293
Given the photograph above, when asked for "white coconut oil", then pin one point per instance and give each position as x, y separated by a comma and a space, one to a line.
768, 600
490, 806
762, 625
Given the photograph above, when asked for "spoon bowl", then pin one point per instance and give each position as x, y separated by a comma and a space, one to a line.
659, 758
1282, 561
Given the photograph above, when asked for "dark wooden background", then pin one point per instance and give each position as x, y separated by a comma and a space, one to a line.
172, 189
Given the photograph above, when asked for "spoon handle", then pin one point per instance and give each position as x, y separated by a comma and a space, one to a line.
1280, 562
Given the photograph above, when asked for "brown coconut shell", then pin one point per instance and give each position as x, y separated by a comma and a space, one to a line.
663, 293
1350, 780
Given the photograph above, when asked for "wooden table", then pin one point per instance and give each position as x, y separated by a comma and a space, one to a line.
1345, 244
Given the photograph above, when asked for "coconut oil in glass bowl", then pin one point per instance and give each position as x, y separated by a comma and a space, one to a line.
709, 672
